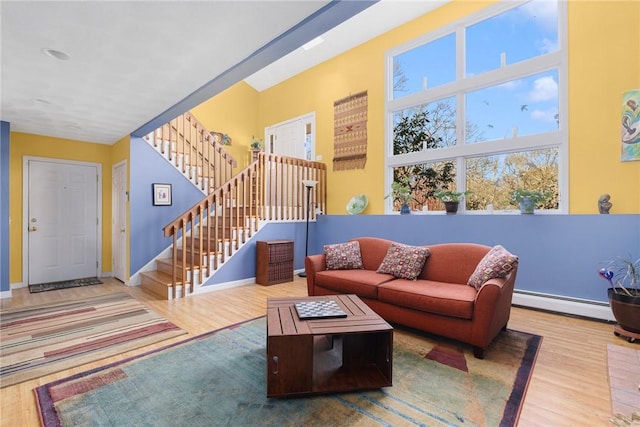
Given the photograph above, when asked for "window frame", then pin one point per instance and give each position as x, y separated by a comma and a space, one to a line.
461, 151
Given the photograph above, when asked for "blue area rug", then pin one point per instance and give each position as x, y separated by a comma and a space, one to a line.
219, 378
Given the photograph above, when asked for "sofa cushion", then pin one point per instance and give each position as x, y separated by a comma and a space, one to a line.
373, 250
452, 262
363, 283
343, 256
498, 262
404, 261
449, 299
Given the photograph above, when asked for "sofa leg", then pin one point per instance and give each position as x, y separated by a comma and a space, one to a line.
478, 352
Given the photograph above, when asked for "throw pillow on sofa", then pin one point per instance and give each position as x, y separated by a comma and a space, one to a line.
404, 261
343, 256
498, 262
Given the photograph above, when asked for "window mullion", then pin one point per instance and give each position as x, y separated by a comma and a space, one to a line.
460, 107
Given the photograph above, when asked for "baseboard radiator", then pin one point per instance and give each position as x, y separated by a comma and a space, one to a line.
559, 304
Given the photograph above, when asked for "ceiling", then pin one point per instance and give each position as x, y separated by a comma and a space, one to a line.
134, 65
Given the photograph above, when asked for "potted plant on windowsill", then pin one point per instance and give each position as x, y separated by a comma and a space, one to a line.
528, 199
451, 199
401, 192
623, 274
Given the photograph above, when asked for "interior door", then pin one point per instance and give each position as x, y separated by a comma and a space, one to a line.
119, 223
293, 138
286, 140
62, 221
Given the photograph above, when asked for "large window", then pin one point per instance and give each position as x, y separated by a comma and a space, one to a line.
480, 106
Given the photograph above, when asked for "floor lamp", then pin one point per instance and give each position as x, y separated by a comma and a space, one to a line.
309, 184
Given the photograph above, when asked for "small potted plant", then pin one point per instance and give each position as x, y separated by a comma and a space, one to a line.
256, 144
623, 275
528, 199
451, 199
255, 148
401, 192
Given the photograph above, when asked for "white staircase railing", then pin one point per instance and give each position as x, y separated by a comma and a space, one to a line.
192, 149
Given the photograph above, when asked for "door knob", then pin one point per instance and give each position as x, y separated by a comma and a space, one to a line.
33, 228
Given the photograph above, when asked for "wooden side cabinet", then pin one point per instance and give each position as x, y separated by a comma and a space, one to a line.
274, 262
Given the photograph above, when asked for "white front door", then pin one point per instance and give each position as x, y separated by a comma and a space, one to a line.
119, 223
62, 221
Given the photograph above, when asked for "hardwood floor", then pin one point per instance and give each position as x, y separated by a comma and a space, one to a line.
569, 386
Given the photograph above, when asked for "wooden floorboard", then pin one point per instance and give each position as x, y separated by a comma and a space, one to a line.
569, 386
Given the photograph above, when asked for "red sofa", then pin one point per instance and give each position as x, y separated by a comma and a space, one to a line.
438, 302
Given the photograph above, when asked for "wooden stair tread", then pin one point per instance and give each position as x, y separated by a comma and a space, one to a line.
161, 277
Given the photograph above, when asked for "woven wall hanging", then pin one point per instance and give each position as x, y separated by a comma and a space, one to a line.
350, 132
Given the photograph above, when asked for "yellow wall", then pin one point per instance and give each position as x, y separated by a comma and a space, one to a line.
358, 69
604, 39
23, 144
604, 62
234, 112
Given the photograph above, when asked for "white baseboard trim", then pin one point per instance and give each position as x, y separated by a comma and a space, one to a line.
579, 307
5, 294
227, 285
218, 287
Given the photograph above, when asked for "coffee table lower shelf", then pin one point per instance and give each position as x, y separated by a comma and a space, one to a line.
313, 363
333, 363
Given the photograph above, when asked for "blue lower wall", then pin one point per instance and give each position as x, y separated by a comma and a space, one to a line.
559, 254
243, 264
147, 221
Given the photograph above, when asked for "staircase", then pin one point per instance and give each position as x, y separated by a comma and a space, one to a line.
209, 248
207, 234
191, 148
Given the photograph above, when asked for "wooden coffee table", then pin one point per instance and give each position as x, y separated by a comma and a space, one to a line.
326, 355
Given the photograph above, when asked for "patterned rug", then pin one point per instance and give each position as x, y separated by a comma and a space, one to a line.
219, 378
39, 340
53, 286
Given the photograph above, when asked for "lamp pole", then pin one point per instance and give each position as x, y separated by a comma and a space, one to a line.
309, 184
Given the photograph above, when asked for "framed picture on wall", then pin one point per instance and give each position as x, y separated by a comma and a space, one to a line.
161, 194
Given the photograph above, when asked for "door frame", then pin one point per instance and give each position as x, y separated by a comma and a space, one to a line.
25, 210
114, 232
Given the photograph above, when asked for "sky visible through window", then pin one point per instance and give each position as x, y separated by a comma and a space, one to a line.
522, 106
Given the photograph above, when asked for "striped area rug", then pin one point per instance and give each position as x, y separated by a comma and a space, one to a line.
40, 340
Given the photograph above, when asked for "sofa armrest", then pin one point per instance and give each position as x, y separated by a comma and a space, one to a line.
313, 264
492, 308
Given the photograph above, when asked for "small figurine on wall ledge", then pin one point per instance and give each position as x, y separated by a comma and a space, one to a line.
604, 205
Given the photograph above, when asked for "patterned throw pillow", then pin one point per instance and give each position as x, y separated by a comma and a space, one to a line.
343, 256
404, 261
498, 262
